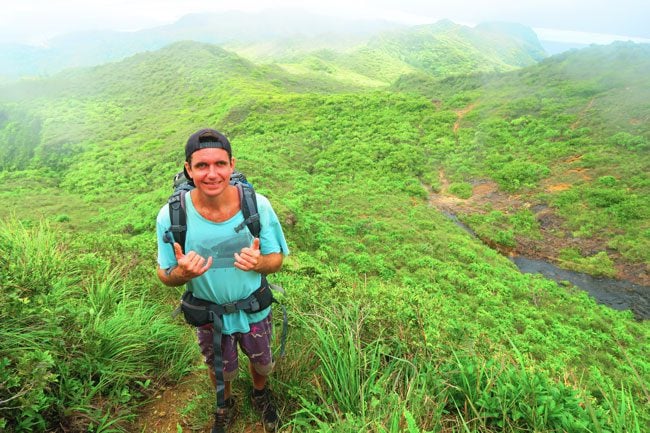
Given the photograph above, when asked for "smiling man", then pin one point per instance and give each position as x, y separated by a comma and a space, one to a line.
225, 265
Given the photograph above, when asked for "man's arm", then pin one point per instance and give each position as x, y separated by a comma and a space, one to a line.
171, 277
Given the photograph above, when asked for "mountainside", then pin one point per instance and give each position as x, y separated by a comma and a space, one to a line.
437, 50
93, 48
439, 331
569, 136
173, 81
445, 48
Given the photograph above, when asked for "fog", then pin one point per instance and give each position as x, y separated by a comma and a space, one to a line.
583, 21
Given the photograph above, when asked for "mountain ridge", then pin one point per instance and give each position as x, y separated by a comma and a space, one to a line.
237, 29
108, 45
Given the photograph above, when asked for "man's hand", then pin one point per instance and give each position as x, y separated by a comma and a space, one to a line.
248, 259
190, 265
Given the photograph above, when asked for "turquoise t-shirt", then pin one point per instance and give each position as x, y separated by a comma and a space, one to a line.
223, 283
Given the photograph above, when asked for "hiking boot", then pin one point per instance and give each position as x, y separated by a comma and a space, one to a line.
224, 416
263, 403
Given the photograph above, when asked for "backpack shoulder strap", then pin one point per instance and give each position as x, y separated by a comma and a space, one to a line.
249, 209
178, 218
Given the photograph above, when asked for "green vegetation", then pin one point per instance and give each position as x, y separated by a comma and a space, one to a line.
599, 264
445, 48
75, 333
400, 321
576, 119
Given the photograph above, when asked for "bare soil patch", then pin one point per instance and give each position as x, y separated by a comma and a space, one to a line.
581, 172
461, 114
162, 414
558, 187
573, 158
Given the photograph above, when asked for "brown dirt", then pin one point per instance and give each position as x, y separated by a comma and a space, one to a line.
573, 158
163, 413
581, 172
461, 114
558, 187
555, 236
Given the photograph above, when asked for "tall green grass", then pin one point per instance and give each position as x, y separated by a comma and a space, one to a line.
78, 346
360, 385
356, 384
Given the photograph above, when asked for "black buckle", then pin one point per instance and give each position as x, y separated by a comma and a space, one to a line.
254, 305
230, 308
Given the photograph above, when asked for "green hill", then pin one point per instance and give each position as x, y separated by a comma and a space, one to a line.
400, 321
445, 48
570, 133
437, 50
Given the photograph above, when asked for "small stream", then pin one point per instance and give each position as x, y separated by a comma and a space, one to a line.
617, 294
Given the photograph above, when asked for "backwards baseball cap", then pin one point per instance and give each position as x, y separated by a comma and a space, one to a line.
204, 139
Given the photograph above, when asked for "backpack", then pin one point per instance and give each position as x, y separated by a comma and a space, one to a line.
178, 216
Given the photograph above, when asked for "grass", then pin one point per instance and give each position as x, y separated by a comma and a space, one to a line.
359, 386
92, 354
77, 347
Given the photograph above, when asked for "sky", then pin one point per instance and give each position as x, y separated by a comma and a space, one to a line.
582, 21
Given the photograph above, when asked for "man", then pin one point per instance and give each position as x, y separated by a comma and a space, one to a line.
223, 265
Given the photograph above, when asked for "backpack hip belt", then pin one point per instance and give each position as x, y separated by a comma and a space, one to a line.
197, 311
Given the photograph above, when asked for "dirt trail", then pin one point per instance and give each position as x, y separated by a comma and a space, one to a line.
461, 113
555, 236
164, 413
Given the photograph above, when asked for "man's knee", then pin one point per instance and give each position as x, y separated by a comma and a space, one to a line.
229, 376
264, 369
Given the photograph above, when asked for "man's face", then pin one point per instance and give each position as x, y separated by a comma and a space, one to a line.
210, 169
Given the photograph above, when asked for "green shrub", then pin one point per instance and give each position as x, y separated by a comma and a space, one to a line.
62, 218
607, 181
498, 396
461, 189
598, 264
517, 174
629, 142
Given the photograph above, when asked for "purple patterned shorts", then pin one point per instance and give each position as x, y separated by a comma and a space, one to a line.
256, 344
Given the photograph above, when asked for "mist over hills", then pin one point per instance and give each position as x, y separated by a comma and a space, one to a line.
281, 33
446, 48
92, 48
